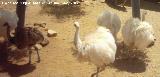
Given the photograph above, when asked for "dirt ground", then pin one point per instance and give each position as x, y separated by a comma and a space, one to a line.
57, 58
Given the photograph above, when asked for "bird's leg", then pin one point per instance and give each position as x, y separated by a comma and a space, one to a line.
30, 53
98, 70
102, 68
8, 32
38, 54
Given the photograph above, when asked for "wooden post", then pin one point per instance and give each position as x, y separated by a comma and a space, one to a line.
20, 10
136, 8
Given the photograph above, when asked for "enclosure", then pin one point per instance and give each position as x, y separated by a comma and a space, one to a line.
57, 59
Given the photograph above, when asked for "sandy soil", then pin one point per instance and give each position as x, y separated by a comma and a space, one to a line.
57, 59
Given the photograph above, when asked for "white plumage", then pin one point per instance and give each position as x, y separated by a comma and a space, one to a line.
98, 47
138, 34
111, 21
9, 18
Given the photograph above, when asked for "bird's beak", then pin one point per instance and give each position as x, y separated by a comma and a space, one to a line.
151, 44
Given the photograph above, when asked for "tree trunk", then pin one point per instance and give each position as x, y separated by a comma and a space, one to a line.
136, 8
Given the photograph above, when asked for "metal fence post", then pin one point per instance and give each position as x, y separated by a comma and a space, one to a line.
135, 8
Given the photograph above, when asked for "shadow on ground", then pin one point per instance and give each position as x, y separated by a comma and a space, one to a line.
17, 70
117, 7
146, 5
134, 61
63, 11
13, 70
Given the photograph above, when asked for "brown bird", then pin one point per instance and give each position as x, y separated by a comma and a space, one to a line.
27, 38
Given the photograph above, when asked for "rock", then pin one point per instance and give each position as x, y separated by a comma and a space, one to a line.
45, 42
37, 27
42, 25
38, 46
76, 3
32, 48
45, 29
51, 33
86, 3
12, 48
35, 24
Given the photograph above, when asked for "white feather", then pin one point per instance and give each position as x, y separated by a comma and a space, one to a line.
98, 47
138, 34
111, 21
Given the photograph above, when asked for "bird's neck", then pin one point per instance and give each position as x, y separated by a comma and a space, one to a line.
8, 32
77, 40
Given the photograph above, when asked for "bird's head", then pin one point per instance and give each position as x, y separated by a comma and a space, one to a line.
76, 24
145, 36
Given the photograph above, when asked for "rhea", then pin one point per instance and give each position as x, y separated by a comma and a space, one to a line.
98, 47
31, 37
